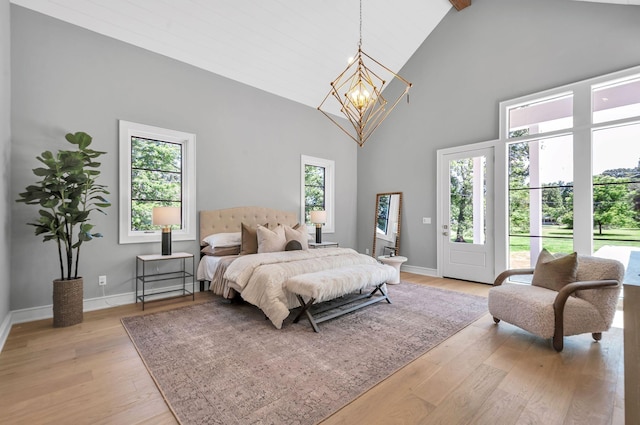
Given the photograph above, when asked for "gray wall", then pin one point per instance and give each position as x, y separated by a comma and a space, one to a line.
5, 150
248, 142
492, 51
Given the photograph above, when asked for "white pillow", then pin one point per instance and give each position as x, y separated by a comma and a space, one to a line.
222, 240
270, 240
299, 235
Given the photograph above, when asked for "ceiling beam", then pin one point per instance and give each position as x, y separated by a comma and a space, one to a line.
460, 4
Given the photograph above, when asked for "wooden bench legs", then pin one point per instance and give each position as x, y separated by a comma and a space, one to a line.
369, 299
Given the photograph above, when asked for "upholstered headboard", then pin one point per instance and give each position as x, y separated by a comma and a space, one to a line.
231, 219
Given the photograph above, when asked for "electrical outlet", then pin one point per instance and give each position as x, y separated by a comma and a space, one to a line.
367, 251
426, 220
102, 280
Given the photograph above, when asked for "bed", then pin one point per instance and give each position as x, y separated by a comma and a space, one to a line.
258, 277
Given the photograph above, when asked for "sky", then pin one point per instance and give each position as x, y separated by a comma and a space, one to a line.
615, 147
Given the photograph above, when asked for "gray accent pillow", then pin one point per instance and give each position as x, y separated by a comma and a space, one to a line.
293, 245
553, 272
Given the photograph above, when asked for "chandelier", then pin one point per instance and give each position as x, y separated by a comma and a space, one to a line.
358, 90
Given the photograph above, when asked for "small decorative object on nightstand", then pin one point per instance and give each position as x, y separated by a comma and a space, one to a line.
325, 244
144, 278
395, 261
318, 218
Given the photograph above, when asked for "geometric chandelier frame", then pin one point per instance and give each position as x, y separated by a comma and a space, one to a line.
359, 91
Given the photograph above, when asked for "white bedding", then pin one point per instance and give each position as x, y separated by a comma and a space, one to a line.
212, 268
259, 277
207, 267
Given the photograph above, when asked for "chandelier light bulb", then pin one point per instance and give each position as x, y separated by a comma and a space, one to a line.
360, 97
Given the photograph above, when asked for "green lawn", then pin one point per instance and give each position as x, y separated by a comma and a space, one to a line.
560, 239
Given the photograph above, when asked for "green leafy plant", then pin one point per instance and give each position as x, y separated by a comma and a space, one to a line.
67, 193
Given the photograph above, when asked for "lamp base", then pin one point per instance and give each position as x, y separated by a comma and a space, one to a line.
318, 234
166, 242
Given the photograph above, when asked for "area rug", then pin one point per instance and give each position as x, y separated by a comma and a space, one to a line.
219, 363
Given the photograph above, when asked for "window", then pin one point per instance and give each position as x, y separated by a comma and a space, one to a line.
574, 169
317, 187
157, 168
541, 115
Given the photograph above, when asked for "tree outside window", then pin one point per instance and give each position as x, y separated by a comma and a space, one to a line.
314, 190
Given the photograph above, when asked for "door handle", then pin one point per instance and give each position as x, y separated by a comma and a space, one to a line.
445, 233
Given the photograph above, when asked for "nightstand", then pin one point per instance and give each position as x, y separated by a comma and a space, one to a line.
143, 277
326, 244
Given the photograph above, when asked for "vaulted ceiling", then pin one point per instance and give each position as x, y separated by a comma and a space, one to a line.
292, 48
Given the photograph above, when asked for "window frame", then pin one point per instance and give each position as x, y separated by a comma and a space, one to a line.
127, 130
329, 190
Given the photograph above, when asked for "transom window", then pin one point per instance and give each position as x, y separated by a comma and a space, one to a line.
157, 168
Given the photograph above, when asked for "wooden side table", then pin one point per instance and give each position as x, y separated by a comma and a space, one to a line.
143, 277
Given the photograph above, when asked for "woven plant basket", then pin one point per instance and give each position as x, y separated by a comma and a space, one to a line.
67, 302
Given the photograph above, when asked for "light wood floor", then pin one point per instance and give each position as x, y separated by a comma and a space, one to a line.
486, 374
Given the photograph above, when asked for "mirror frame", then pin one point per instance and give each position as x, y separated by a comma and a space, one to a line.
375, 222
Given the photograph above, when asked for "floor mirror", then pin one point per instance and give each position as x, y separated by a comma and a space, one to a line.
386, 230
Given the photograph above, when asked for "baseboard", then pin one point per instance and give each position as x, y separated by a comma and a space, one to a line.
5, 328
419, 270
89, 304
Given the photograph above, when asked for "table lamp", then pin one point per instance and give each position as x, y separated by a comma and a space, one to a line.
165, 217
318, 218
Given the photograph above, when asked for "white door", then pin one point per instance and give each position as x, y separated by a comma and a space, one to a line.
466, 219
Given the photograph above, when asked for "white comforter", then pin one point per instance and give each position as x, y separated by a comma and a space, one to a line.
259, 277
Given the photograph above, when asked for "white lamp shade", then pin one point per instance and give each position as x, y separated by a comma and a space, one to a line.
318, 217
166, 216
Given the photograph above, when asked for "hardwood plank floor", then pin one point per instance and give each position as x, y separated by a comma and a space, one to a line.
485, 374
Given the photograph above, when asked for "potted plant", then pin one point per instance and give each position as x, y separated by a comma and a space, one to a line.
67, 193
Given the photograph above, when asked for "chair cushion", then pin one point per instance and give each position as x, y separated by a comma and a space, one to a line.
531, 308
554, 273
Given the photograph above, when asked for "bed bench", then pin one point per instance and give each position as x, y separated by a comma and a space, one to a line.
329, 284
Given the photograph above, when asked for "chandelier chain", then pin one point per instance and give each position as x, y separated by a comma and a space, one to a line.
360, 42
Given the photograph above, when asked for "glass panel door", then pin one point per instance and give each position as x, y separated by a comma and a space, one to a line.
467, 215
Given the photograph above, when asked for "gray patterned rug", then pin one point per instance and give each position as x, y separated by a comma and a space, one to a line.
218, 363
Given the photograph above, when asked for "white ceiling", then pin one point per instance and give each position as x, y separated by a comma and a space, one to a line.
292, 48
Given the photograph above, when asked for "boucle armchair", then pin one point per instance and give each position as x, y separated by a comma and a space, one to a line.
584, 302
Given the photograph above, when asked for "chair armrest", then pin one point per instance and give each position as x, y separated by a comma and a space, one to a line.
508, 273
570, 288
561, 300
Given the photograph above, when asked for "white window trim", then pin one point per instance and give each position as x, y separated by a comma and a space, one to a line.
188, 141
329, 189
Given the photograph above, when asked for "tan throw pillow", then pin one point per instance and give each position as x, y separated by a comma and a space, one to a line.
271, 240
554, 273
249, 240
293, 234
